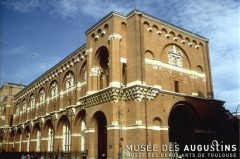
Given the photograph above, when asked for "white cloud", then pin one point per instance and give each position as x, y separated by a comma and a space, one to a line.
71, 8
23, 6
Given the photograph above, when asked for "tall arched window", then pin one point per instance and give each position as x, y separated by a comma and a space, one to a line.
50, 139
28, 142
32, 101
20, 143
82, 139
69, 81
24, 107
175, 57
17, 109
83, 73
54, 89
42, 96
38, 140
101, 68
66, 137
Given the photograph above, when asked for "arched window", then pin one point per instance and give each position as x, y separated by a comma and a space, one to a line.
28, 142
38, 140
83, 72
175, 57
42, 96
54, 89
66, 137
32, 101
85, 75
20, 143
156, 133
17, 109
50, 139
69, 81
24, 107
82, 140
101, 69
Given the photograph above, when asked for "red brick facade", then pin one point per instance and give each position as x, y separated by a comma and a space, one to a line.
117, 89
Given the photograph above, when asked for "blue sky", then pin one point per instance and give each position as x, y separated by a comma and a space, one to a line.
36, 34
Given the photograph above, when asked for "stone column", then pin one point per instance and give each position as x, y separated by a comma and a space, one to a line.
91, 143
114, 58
95, 78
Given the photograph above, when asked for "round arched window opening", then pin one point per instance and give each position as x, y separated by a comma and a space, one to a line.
102, 61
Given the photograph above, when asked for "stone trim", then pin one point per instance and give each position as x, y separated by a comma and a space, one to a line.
159, 64
102, 96
134, 127
95, 71
44, 138
114, 94
123, 60
114, 36
58, 137
89, 130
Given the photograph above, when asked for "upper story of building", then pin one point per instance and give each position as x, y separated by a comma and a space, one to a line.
121, 51
7, 92
10, 89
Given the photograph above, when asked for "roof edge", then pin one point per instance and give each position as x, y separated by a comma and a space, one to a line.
135, 11
103, 19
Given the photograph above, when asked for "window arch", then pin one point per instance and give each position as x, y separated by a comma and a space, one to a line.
66, 136
38, 140
50, 139
157, 133
83, 72
69, 80
20, 145
32, 101
149, 55
82, 140
17, 109
175, 57
24, 106
101, 68
28, 141
199, 68
54, 89
42, 95
157, 121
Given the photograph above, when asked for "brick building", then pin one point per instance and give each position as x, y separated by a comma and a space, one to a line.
136, 80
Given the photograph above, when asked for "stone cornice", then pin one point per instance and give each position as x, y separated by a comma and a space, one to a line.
103, 96
114, 94
139, 92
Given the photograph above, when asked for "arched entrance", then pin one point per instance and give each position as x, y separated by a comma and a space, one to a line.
183, 122
101, 130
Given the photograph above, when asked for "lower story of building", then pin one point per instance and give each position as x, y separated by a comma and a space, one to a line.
117, 128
